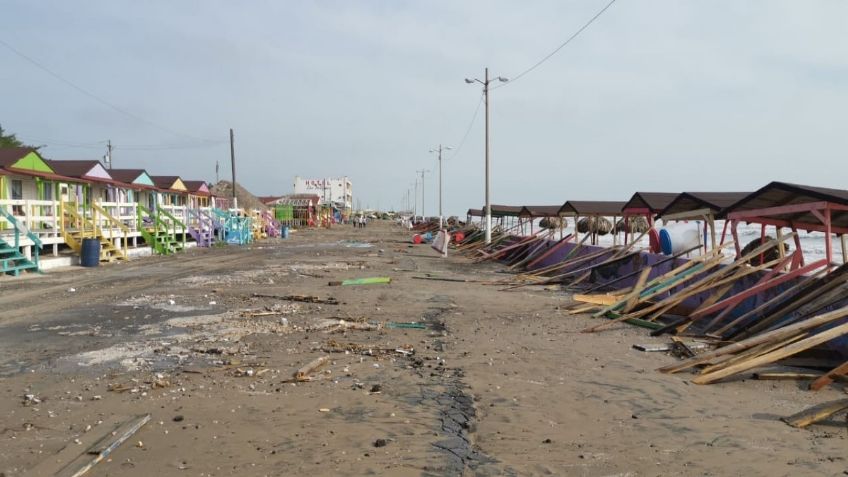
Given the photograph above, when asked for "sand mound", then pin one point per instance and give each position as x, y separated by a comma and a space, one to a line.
246, 200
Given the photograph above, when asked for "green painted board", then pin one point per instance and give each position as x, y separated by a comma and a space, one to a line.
363, 281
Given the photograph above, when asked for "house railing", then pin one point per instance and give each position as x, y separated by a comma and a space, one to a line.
38, 216
19, 228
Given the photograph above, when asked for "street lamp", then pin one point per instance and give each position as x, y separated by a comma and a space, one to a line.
422, 172
439, 150
485, 84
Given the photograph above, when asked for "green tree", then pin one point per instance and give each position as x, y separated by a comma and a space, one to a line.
9, 140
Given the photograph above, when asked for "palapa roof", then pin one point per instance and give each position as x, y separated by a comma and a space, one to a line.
653, 202
602, 208
540, 211
788, 204
691, 201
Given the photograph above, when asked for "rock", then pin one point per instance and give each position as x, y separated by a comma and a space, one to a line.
380, 443
547, 441
376, 388
178, 418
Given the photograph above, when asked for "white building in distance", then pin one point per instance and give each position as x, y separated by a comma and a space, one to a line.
336, 191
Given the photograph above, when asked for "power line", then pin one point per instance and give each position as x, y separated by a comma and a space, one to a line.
566, 42
126, 147
98, 98
468, 130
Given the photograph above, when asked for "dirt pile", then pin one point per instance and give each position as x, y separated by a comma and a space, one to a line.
246, 200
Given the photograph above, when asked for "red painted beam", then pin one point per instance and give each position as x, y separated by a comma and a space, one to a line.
739, 297
796, 225
779, 210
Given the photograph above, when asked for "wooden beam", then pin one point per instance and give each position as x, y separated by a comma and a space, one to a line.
774, 335
828, 377
773, 356
816, 413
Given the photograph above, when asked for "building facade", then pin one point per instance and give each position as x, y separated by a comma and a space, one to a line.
337, 192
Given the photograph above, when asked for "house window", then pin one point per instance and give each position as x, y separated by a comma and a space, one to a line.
17, 189
17, 194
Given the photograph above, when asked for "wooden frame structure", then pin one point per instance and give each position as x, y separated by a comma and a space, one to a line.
707, 206
591, 208
797, 207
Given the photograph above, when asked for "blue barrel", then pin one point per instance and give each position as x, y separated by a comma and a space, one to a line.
90, 254
284, 232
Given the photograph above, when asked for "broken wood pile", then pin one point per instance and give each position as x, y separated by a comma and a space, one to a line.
759, 311
753, 317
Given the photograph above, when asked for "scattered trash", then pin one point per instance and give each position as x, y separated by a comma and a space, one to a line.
301, 298
362, 281
406, 325
71, 290
303, 373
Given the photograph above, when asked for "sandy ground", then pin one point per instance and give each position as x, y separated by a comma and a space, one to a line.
495, 383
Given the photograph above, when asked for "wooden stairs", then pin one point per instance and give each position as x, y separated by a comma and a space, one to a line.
76, 227
12, 261
157, 233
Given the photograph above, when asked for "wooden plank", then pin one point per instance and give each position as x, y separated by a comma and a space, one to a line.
816, 413
103, 448
637, 289
771, 336
828, 377
776, 355
596, 299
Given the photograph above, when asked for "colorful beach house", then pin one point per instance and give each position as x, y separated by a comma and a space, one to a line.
95, 205
139, 181
27, 208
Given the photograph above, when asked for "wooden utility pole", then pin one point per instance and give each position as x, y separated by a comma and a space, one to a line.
233, 161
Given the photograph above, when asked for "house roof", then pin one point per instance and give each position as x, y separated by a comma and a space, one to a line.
603, 208
11, 155
11, 158
267, 199
88, 170
540, 211
691, 201
168, 183
785, 195
130, 176
475, 212
197, 188
652, 202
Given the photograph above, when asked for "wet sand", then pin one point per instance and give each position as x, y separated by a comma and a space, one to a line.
496, 383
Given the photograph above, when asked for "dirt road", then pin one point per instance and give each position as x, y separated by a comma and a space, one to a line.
423, 377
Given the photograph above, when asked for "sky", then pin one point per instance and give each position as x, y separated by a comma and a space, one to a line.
655, 95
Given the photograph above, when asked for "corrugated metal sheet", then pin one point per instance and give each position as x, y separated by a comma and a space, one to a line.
653, 201
715, 201
586, 208
777, 194
536, 211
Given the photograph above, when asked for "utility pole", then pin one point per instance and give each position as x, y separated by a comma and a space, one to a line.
415, 197
217, 179
108, 157
439, 150
488, 207
233, 161
422, 172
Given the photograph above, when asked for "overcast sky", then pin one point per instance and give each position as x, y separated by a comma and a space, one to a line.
658, 95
